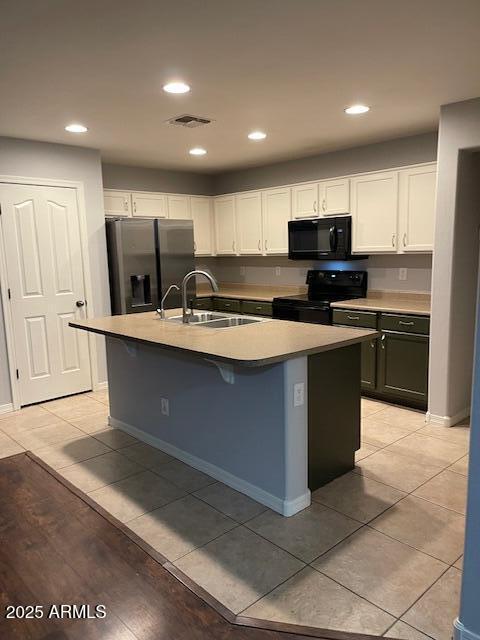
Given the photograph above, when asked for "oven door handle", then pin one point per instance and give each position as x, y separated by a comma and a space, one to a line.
325, 308
333, 238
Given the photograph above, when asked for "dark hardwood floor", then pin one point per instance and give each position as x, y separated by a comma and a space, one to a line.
55, 548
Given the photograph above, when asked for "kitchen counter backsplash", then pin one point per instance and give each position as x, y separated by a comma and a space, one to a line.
383, 271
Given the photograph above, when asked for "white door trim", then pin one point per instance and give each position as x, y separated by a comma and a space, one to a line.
7, 318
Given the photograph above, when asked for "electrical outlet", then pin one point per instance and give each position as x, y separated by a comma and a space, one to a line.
402, 273
242, 271
278, 271
165, 406
298, 394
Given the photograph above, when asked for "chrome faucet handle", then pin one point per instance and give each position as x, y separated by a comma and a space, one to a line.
161, 310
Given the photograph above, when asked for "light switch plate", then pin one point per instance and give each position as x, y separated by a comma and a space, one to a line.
402, 273
278, 271
242, 271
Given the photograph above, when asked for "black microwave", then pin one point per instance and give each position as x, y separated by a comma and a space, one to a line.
320, 239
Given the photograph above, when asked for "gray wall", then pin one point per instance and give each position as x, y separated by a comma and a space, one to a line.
455, 259
54, 161
116, 176
469, 612
382, 270
392, 153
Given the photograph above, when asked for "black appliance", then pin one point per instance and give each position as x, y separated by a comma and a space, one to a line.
324, 287
321, 239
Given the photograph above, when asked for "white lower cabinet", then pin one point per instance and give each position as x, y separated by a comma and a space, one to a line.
201, 212
374, 199
334, 197
248, 218
416, 219
117, 203
179, 207
224, 210
277, 211
305, 200
150, 205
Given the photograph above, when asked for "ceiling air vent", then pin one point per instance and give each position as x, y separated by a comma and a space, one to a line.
189, 121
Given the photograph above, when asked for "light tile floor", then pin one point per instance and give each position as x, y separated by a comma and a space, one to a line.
379, 551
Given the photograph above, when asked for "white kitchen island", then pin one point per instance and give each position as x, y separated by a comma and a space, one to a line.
271, 409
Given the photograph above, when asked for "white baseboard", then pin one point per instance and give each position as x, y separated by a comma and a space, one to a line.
100, 386
6, 408
285, 507
462, 633
447, 421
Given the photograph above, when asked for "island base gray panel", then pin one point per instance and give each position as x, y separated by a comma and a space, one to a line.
247, 434
333, 413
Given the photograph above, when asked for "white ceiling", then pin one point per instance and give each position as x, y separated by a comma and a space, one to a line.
286, 66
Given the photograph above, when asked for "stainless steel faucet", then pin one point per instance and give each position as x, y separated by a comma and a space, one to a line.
192, 274
161, 311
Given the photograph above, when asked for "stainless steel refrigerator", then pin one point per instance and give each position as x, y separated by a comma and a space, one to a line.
146, 256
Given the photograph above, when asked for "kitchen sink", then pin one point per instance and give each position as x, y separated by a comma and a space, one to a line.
234, 321
199, 317
215, 320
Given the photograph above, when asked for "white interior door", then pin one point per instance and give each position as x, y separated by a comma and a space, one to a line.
45, 277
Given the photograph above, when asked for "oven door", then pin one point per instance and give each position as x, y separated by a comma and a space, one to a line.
301, 313
319, 239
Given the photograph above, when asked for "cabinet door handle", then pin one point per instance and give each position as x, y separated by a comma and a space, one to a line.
125, 205
194, 245
382, 341
404, 239
258, 308
406, 324
393, 239
372, 344
324, 205
259, 245
353, 317
233, 245
265, 245
315, 206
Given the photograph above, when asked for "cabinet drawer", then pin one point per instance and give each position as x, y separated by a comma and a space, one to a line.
405, 323
226, 304
204, 303
257, 308
352, 318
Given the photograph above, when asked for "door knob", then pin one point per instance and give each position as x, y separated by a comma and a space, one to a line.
80, 303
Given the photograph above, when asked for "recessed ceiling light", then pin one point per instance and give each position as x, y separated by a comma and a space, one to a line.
176, 87
197, 151
257, 135
76, 128
355, 109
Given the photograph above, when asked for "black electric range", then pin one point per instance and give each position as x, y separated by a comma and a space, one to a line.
324, 287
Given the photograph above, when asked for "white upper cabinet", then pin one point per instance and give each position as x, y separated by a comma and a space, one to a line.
334, 197
201, 211
224, 209
117, 203
150, 205
277, 211
178, 207
374, 199
305, 200
417, 188
248, 217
